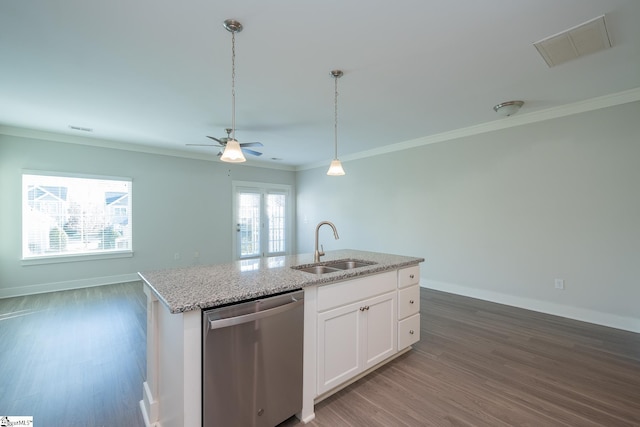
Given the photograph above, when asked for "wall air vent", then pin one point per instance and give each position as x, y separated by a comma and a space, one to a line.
80, 128
590, 37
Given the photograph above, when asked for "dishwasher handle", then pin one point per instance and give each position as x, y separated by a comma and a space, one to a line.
246, 318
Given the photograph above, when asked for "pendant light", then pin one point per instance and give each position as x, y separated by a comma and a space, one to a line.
335, 169
232, 151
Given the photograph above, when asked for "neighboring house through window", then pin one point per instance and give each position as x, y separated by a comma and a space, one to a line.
66, 215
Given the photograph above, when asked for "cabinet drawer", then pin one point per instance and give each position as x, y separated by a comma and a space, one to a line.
408, 301
408, 331
341, 293
408, 276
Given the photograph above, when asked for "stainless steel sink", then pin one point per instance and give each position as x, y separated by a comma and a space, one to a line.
333, 266
317, 269
348, 264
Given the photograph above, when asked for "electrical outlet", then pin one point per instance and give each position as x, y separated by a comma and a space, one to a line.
196, 254
559, 284
176, 256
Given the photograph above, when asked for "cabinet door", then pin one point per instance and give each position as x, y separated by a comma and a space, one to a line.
380, 329
339, 344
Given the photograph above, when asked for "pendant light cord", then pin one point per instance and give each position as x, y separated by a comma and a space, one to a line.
335, 123
233, 85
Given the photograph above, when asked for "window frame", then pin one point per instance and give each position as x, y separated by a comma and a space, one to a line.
80, 256
264, 189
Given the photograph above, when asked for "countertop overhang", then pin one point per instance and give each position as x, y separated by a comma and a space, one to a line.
207, 286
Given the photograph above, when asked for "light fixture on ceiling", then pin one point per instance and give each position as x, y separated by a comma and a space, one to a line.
335, 169
232, 151
508, 108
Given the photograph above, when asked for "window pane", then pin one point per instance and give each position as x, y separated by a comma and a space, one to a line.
71, 216
276, 220
249, 224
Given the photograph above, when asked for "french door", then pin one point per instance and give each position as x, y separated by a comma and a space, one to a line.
261, 220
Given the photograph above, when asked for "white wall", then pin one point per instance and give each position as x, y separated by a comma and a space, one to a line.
179, 206
500, 215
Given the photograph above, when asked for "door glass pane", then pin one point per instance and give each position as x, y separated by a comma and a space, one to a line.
276, 222
249, 224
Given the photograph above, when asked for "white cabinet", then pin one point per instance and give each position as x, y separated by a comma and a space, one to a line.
408, 306
362, 322
356, 327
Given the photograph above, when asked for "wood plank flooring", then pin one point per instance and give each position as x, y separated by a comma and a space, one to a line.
485, 364
77, 358
74, 358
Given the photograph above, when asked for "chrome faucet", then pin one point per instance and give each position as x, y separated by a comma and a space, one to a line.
317, 254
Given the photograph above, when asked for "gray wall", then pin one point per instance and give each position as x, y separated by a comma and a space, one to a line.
179, 206
500, 215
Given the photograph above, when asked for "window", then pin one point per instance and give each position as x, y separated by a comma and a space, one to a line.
261, 220
71, 215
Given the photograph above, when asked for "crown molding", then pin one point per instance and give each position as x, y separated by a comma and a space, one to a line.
619, 98
126, 146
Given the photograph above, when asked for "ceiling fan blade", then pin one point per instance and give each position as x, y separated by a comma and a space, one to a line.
248, 151
251, 144
215, 139
204, 145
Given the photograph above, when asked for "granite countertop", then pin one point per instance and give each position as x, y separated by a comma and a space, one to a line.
207, 286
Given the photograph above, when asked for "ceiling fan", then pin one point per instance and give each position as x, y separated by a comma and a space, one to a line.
223, 143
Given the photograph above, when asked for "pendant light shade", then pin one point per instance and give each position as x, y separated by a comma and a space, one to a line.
335, 169
232, 151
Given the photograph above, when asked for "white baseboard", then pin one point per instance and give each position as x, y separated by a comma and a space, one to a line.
67, 285
585, 315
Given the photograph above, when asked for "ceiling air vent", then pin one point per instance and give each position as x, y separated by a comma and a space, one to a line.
590, 37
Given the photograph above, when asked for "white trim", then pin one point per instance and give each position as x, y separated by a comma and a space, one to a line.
82, 175
582, 314
126, 146
67, 285
57, 259
611, 100
624, 97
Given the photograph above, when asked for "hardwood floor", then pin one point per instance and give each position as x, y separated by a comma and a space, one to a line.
486, 364
77, 358
74, 358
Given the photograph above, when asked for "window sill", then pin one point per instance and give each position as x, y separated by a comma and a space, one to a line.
57, 259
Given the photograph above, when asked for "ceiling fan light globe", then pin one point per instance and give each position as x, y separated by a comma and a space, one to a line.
335, 168
232, 152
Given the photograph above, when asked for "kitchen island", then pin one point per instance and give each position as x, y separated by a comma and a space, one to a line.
176, 298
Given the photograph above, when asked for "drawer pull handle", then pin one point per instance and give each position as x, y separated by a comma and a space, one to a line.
411, 276
411, 331
410, 301
361, 308
366, 307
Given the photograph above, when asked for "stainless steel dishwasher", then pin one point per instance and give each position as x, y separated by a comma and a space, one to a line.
252, 362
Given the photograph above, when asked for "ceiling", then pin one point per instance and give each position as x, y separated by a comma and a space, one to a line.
158, 73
